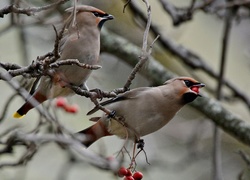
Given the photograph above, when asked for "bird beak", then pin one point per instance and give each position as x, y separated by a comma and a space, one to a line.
104, 18
108, 17
196, 87
200, 85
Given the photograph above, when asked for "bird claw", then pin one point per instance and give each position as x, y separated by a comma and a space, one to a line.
98, 93
140, 144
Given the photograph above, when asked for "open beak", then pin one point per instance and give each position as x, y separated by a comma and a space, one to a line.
196, 88
199, 85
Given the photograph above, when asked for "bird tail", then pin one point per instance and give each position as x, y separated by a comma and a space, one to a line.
22, 111
94, 132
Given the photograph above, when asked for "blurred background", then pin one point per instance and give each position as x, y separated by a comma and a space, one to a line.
180, 150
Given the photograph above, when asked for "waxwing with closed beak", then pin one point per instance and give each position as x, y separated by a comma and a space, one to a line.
142, 111
80, 41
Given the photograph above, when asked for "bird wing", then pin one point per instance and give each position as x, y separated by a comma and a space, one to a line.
34, 85
65, 28
127, 95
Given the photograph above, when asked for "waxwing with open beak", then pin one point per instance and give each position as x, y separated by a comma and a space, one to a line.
142, 111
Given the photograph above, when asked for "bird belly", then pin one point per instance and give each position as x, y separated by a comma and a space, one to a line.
135, 130
57, 90
74, 75
116, 128
152, 124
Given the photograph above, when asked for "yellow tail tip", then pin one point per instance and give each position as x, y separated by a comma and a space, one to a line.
17, 115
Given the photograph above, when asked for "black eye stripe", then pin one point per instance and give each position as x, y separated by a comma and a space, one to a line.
99, 14
190, 83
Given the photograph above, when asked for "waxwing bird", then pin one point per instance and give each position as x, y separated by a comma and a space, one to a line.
81, 41
142, 111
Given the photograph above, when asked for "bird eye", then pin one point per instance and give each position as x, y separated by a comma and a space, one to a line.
96, 14
188, 83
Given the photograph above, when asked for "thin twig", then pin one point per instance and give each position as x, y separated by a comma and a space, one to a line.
125, 5
217, 168
144, 54
27, 156
232, 4
59, 63
59, 36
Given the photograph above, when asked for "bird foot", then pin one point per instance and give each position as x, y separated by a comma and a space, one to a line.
112, 114
140, 144
98, 93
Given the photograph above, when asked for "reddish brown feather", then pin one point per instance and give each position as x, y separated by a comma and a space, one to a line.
28, 106
94, 132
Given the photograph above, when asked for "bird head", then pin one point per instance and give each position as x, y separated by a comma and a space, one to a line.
188, 89
90, 15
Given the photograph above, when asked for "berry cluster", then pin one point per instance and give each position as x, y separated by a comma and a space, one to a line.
62, 103
127, 174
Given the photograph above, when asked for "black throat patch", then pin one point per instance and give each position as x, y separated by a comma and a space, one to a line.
189, 97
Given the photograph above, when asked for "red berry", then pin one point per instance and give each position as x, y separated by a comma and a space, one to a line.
129, 173
71, 109
122, 172
128, 178
138, 175
61, 102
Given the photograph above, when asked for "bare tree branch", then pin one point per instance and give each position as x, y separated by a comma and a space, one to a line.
28, 11
180, 15
74, 145
39, 68
217, 168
